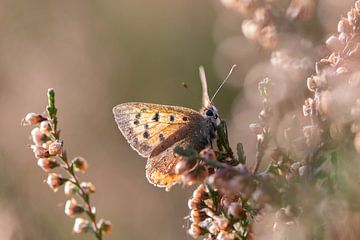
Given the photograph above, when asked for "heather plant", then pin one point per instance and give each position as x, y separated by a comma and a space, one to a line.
301, 183
49, 151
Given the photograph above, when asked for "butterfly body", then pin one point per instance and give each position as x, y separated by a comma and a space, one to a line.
155, 130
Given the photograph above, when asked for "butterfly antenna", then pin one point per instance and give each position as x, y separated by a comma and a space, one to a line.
222, 84
205, 96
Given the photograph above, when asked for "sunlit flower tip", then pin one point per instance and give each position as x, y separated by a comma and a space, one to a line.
105, 226
81, 225
80, 164
47, 164
54, 181
256, 128
40, 152
88, 187
194, 230
72, 208
208, 154
32, 119
55, 148
185, 166
45, 127
235, 209
70, 188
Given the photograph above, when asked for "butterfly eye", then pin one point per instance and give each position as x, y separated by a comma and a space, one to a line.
209, 113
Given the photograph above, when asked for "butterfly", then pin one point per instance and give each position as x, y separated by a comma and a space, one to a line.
155, 130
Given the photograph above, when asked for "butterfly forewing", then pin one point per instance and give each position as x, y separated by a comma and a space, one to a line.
146, 125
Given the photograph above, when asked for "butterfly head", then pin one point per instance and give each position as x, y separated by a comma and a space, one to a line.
211, 113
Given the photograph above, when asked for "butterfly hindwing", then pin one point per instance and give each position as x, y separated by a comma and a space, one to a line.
146, 125
160, 168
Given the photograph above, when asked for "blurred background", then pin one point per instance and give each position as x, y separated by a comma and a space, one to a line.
97, 54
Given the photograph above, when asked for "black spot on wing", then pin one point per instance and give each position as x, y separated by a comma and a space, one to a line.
146, 126
161, 137
136, 122
156, 117
184, 118
172, 118
146, 134
137, 116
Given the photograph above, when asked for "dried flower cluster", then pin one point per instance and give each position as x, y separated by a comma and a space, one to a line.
49, 151
265, 20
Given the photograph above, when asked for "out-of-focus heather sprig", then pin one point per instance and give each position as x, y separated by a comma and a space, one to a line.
267, 19
336, 84
49, 150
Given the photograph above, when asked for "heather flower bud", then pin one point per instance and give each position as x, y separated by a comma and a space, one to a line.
55, 148
45, 127
309, 107
80, 164
199, 192
250, 29
344, 26
221, 222
193, 203
70, 188
47, 164
195, 230
208, 154
40, 152
32, 119
185, 166
38, 137
72, 208
197, 175
235, 209
81, 225
311, 83
105, 226
54, 181
333, 43
88, 187
224, 235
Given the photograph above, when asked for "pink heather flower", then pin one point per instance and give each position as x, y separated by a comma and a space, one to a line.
55, 148
45, 127
47, 164
32, 119
81, 225
70, 188
54, 181
72, 208
38, 137
105, 226
88, 187
40, 152
80, 164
